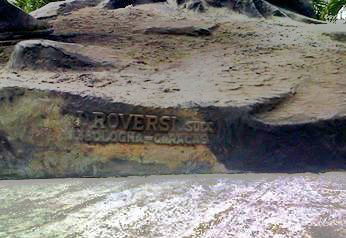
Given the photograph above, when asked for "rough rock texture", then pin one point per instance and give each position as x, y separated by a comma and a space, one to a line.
14, 23
303, 7
54, 9
300, 10
252, 8
253, 95
13, 19
188, 30
50, 55
205, 206
339, 36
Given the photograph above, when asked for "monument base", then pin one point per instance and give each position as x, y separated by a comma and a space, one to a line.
137, 91
47, 134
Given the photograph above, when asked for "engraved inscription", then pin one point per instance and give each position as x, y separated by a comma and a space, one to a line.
100, 127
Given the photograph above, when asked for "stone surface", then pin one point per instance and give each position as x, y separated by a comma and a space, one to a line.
53, 9
254, 8
50, 55
303, 7
188, 30
14, 23
22, 35
250, 7
13, 19
339, 36
255, 95
208, 206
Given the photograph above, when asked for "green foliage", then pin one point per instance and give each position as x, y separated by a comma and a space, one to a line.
31, 5
319, 7
328, 10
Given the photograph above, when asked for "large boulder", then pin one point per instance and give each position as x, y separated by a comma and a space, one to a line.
12, 19
54, 9
51, 55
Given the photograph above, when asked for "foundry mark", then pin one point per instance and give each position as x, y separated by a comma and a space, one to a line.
101, 127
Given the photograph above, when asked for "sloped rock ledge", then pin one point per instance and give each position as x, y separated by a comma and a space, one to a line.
53, 9
55, 134
15, 24
188, 31
52, 55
